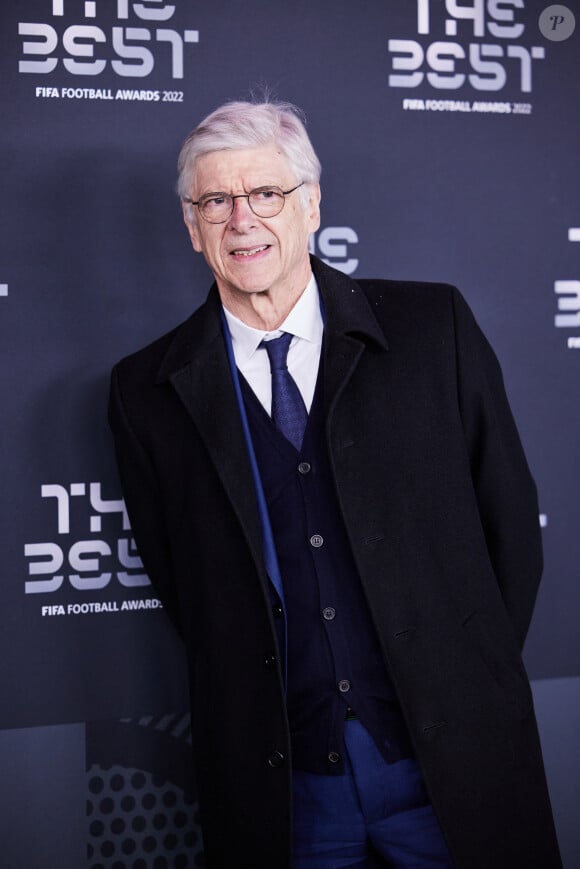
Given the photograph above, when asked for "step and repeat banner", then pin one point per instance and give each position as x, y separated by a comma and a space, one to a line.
448, 132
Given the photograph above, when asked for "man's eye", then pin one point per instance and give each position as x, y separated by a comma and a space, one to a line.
215, 202
265, 195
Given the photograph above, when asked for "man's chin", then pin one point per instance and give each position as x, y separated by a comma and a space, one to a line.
249, 287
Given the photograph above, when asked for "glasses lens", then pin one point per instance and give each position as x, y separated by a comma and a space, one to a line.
216, 208
266, 201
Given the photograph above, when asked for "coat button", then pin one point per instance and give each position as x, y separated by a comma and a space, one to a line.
276, 759
344, 686
316, 540
304, 468
334, 757
270, 660
277, 610
328, 613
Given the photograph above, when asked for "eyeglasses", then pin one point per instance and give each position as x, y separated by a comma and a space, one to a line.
264, 202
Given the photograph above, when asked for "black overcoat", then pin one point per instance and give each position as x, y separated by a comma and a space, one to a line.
442, 517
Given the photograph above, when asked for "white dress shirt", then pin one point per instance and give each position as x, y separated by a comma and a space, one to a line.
304, 322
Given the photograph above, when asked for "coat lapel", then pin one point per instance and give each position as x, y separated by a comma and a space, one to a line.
197, 367
349, 326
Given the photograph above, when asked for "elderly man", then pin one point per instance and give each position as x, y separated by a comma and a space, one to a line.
329, 493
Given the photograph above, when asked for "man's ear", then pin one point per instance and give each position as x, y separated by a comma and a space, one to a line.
191, 225
313, 207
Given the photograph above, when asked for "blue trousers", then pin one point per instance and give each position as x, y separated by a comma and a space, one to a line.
376, 815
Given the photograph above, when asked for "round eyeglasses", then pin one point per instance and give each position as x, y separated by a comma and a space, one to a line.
264, 202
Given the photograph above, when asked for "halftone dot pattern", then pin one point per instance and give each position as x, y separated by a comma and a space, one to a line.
137, 820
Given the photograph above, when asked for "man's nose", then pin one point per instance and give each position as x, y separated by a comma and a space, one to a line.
242, 216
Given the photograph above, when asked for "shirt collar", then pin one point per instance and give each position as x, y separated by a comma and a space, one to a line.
304, 321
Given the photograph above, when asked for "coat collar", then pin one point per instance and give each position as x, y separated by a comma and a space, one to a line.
346, 309
195, 338
349, 326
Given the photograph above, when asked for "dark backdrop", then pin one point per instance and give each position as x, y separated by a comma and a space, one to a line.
449, 134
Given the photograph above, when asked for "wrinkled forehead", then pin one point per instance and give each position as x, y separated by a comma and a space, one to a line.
241, 170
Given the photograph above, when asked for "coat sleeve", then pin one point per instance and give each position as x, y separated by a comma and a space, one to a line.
505, 490
143, 500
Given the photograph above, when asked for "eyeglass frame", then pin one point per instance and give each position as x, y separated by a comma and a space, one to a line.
274, 187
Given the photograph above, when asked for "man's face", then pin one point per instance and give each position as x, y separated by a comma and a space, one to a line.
249, 254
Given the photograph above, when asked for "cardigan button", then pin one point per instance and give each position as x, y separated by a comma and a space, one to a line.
334, 757
316, 540
344, 686
304, 468
328, 613
276, 759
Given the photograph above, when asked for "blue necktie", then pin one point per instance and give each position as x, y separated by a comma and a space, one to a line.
288, 409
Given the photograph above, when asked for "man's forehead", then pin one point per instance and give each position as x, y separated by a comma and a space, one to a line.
265, 164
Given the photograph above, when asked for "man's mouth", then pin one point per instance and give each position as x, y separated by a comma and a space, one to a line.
250, 251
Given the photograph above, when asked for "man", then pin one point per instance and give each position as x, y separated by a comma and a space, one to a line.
328, 491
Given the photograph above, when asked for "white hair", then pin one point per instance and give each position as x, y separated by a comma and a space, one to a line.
238, 125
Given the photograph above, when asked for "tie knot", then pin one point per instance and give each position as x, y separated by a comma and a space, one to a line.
277, 350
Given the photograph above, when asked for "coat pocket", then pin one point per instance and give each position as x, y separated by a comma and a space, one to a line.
498, 651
